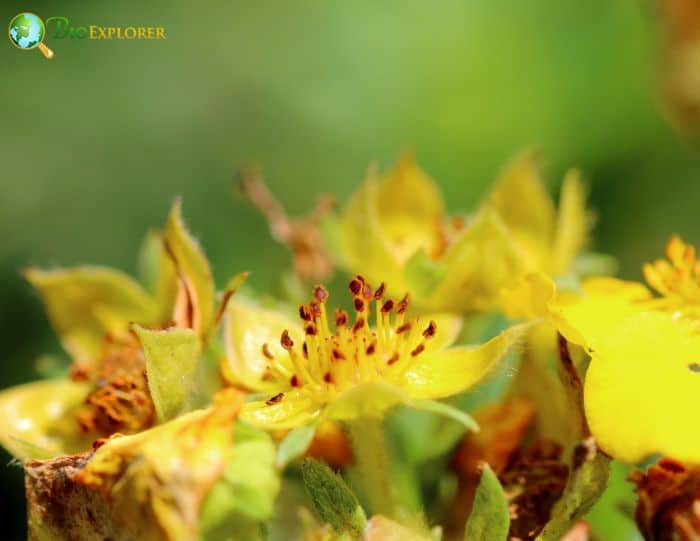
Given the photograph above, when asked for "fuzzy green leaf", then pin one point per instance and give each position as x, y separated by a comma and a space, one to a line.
586, 484
171, 366
332, 499
489, 519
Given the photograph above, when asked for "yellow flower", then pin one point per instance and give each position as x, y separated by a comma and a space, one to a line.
310, 372
678, 279
643, 381
116, 330
395, 229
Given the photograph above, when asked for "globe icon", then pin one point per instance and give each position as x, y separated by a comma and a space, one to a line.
26, 30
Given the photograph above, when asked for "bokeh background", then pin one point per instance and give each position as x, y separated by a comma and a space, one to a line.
97, 142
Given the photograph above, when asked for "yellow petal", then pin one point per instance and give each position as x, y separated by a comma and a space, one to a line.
366, 400
363, 244
37, 421
247, 328
410, 208
573, 223
642, 389
380, 528
604, 303
482, 261
529, 297
444, 373
171, 363
157, 273
523, 202
448, 328
86, 303
195, 302
292, 409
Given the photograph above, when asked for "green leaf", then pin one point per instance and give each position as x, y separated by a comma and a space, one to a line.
171, 365
585, 485
489, 519
86, 303
333, 500
448, 411
295, 444
195, 304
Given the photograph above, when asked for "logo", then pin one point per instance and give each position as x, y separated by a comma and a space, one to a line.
27, 32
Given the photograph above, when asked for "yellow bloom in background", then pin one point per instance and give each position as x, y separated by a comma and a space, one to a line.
310, 372
643, 381
134, 347
395, 229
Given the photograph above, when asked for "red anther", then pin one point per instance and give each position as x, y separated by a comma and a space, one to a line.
359, 305
294, 381
403, 328
380, 291
266, 351
328, 377
286, 340
341, 317
358, 324
355, 286
305, 312
320, 294
388, 306
275, 399
430, 330
402, 306
394, 358
419, 349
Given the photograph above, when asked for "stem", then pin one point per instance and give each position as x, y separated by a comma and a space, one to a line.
372, 465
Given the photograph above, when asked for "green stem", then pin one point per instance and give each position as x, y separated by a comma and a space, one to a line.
372, 465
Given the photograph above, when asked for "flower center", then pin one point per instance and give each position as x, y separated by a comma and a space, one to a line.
679, 276
330, 361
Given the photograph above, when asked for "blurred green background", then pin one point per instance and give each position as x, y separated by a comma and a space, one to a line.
98, 141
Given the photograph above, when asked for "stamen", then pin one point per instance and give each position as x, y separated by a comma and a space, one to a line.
266, 351
371, 348
294, 381
388, 306
380, 292
328, 377
286, 340
359, 305
275, 399
430, 330
418, 350
304, 312
403, 328
394, 358
403, 304
341, 317
338, 355
355, 286
358, 324
311, 330
320, 294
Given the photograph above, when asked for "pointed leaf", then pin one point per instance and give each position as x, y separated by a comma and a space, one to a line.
573, 223
363, 243
86, 303
171, 363
522, 200
585, 485
444, 373
157, 273
195, 304
490, 518
333, 500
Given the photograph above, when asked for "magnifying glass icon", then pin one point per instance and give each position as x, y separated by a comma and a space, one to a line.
27, 32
